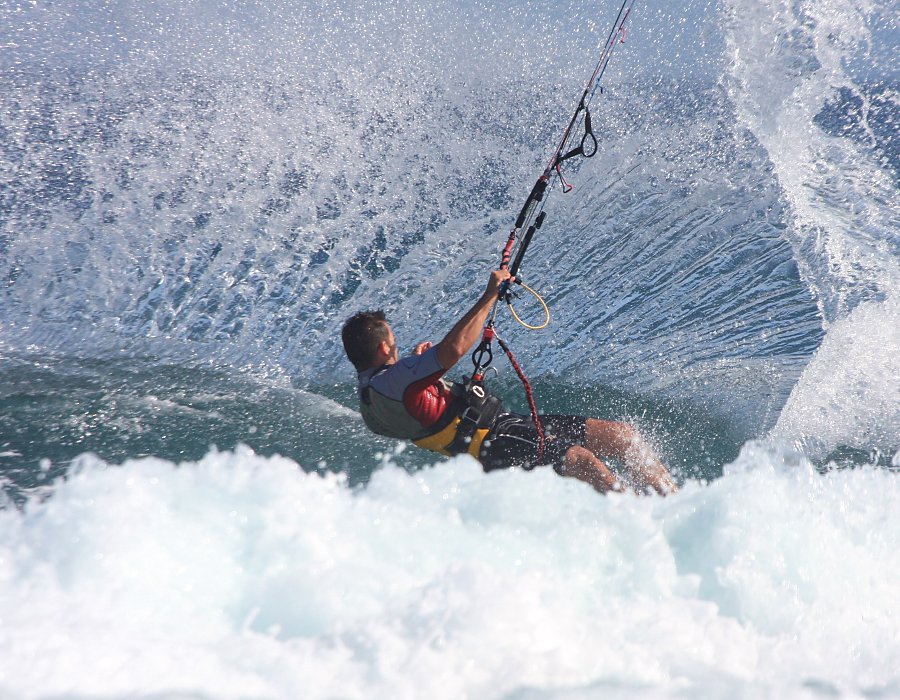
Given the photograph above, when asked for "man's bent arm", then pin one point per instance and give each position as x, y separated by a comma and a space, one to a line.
467, 330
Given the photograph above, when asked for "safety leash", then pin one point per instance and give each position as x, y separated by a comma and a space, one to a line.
482, 358
529, 394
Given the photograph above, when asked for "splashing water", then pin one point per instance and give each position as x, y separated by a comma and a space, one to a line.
194, 196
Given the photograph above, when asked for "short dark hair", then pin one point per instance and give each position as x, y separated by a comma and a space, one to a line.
362, 334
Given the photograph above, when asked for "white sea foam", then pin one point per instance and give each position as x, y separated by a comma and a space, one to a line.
240, 576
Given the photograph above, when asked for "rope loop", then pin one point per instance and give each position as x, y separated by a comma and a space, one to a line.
542, 303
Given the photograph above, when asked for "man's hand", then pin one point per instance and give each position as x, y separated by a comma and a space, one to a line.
498, 277
467, 330
421, 347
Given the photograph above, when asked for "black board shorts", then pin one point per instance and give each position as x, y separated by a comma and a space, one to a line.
513, 441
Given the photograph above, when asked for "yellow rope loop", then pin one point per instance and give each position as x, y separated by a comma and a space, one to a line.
543, 304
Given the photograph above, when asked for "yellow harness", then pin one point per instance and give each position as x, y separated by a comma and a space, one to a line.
441, 440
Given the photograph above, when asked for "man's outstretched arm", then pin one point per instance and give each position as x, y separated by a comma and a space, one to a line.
467, 330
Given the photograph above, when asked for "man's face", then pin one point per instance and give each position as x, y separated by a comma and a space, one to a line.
391, 349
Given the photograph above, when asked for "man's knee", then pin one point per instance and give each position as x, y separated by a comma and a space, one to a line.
612, 437
583, 464
575, 457
614, 426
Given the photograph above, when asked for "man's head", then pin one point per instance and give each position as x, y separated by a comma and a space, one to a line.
369, 340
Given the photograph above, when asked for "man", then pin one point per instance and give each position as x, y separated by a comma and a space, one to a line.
410, 399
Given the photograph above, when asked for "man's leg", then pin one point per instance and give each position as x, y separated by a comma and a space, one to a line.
581, 464
622, 442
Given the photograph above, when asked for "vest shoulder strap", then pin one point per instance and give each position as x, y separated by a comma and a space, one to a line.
364, 388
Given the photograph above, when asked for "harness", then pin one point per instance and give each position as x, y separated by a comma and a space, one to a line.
467, 430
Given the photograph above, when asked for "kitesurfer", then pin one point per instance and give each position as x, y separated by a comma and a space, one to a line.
410, 399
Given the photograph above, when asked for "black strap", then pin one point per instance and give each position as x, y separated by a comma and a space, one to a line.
536, 195
580, 150
526, 241
480, 414
364, 390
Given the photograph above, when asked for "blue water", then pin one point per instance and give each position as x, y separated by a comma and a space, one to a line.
194, 197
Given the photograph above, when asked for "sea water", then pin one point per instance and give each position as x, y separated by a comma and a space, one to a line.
193, 197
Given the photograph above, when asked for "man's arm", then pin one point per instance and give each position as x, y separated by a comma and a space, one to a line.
467, 330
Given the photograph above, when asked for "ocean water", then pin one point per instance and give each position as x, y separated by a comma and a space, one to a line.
194, 196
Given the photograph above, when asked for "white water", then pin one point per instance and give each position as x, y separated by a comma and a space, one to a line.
788, 60
240, 576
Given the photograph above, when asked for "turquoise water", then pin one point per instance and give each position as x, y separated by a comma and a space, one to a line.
57, 408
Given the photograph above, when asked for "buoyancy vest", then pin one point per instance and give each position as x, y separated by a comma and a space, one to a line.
468, 414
